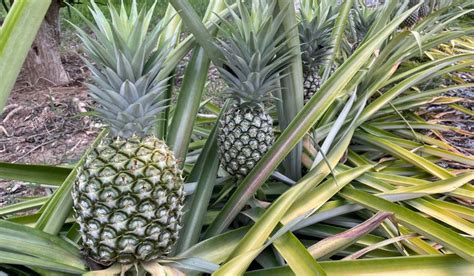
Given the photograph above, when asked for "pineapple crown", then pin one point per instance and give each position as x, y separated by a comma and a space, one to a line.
316, 23
125, 60
361, 19
255, 52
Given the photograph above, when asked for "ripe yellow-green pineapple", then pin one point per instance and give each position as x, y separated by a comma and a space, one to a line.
316, 24
128, 194
255, 54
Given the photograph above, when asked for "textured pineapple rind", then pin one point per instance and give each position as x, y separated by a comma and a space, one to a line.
128, 199
245, 135
424, 10
411, 20
311, 84
312, 81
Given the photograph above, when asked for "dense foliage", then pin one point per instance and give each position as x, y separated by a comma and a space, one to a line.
318, 162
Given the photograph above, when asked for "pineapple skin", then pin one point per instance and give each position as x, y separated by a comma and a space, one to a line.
423, 11
311, 84
245, 135
312, 81
128, 199
411, 20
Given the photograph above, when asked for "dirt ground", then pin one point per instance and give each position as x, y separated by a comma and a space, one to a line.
44, 125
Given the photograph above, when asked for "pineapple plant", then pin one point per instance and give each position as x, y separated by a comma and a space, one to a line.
254, 56
128, 195
361, 19
316, 24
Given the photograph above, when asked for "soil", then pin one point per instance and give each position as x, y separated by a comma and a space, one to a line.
43, 125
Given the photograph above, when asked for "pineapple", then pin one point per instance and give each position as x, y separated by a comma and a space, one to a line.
414, 17
128, 195
411, 20
424, 10
255, 54
316, 24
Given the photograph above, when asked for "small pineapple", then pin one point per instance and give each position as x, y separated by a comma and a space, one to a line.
414, 17
411, 20
128, 195
311, 83
254, 56
424, 10
316, 24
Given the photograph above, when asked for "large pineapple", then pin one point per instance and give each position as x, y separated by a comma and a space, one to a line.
128, 194
316, 24
255, 54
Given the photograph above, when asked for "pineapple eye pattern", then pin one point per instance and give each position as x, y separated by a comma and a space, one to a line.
244, 137
129, 216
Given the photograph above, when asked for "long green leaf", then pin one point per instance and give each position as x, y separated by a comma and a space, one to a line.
436, 68
198, 29
261, 230
445, 236
218, 248
312, 200
189, 98
25, 260
447, 265
292, 87
40, 174
428, 187
331, 245
194, 218
406, 155
297, 256
24, 206
29, 241
322, 231
337, 35
442, 215
460, 210
170, 35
